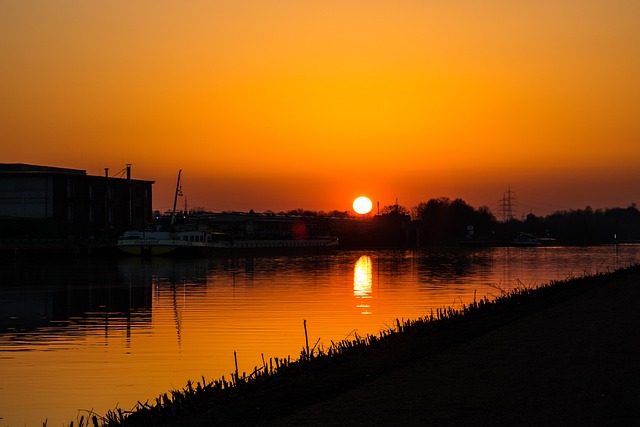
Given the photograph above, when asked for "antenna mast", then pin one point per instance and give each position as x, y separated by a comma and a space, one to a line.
175, 199
507, 203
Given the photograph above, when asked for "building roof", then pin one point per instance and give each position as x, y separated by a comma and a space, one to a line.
22, 168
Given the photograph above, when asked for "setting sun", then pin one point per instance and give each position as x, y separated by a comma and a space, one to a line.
362, 205
300, 103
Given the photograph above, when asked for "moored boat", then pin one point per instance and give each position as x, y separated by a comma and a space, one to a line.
159, 242
226, 234
526, 240
164, 240
194, 242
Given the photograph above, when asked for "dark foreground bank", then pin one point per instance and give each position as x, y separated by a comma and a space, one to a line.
574, 363
564, 354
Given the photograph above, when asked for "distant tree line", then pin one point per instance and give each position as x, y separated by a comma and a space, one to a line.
443, 221
588, 226
310, 213
198, 210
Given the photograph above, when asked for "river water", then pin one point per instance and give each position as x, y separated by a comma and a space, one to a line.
93, 335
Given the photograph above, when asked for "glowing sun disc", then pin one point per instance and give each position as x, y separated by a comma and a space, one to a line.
362, 205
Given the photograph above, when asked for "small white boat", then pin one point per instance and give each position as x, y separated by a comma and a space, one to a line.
149, 242
193, 242
163, 241
524, 239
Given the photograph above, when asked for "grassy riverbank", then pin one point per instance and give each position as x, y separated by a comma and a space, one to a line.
523, 358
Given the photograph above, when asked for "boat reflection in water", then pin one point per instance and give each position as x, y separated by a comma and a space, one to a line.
362, 282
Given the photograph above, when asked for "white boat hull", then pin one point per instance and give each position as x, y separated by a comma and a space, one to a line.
154, 247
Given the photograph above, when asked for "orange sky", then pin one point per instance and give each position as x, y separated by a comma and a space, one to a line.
287, 104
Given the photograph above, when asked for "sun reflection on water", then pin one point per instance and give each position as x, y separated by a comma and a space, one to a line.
362, 282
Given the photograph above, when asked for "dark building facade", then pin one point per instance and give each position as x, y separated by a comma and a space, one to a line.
50, 202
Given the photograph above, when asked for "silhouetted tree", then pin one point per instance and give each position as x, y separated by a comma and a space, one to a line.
338, 214
584, 226
445, 221
394, 208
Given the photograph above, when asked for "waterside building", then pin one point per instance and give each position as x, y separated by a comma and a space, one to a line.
43, 204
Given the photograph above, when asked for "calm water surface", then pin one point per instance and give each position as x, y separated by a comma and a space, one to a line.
92, 335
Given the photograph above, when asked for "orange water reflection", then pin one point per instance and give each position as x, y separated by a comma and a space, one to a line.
88, 336
363, 283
